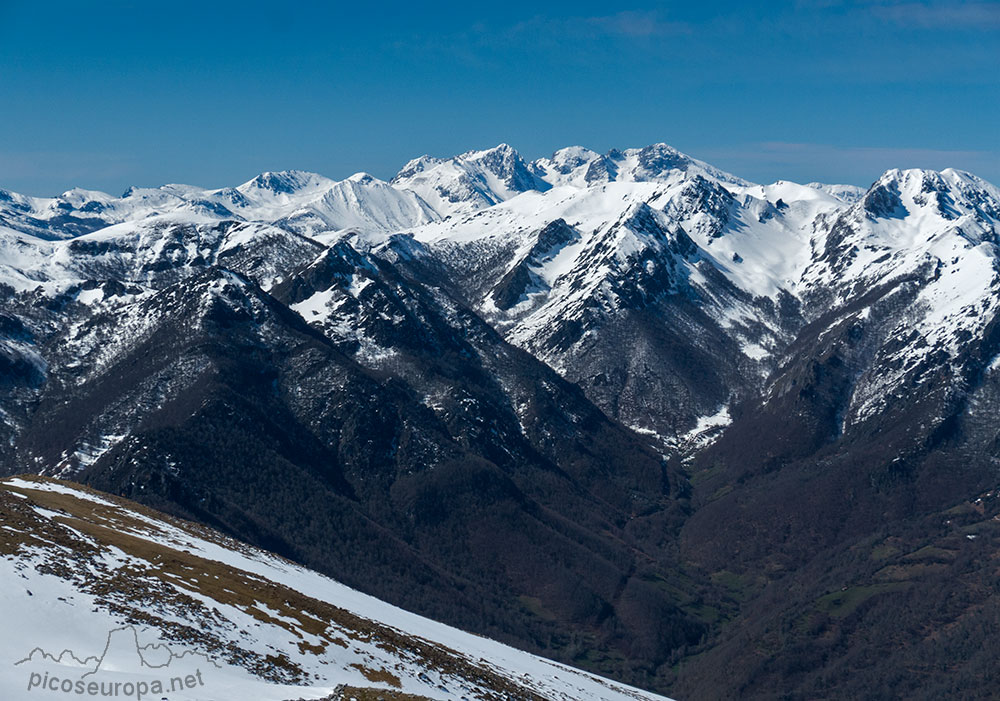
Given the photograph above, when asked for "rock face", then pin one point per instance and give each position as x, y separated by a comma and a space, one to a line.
596, 405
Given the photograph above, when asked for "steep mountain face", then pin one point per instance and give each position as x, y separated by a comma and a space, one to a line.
73, 306
607, 407
933, 236
99, 590
699, 280
897, 360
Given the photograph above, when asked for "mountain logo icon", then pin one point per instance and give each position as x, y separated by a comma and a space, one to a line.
125, 667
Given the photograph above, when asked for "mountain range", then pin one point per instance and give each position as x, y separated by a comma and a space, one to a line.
626, 410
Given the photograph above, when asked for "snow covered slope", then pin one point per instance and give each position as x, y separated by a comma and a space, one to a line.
309, 203
479, 179
394, 413
298, 201
848, 193
763, 261
98, 589
151, 252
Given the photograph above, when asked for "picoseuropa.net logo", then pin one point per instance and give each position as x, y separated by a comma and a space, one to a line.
124, 669
138, 689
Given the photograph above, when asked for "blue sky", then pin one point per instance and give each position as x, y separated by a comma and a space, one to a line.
114, 94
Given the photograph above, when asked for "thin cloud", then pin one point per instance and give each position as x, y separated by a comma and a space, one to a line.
477, 44
942, 15
636, 24
976, 15
628, 24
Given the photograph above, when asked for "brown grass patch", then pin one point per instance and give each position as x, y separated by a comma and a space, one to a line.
368, 694
378, 676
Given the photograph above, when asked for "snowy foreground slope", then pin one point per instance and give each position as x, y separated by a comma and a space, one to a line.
98, 589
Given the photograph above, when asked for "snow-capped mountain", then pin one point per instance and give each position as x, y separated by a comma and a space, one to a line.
192, 387
310, 204
469, 182
152, 252
563, 396
581, 167
101, 590
929, 241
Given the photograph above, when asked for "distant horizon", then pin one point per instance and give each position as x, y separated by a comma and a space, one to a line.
836, 91
119, 192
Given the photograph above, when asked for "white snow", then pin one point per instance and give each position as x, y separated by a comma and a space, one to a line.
755, 351
315, 305
706, 425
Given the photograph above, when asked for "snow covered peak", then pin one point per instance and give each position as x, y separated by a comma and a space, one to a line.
471, 181
79, 198
312, 204
656, 159
476, 180
929, 240
364, 178
499, 152
363, 204
570, 166
948, 195
286, 182
918, 223
417, 165
572, 157
581, 167
662, 163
